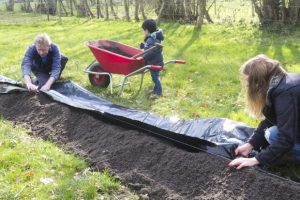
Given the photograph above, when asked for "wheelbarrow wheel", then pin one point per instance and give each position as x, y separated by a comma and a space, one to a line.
98, 80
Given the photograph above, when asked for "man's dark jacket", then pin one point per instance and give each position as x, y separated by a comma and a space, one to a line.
32, 62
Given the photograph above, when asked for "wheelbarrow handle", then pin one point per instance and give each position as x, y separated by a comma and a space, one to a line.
180, 62
157, 45
175, 61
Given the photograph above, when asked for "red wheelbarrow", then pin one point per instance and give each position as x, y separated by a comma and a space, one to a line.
117, 58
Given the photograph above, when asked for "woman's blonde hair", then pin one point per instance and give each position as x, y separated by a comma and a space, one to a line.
42, 40
256, 74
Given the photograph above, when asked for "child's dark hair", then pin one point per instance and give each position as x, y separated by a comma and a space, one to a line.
150, 25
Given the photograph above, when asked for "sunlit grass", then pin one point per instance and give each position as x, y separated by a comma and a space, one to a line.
27, 163
207, 86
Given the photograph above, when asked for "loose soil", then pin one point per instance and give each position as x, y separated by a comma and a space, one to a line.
116, 50
152, 167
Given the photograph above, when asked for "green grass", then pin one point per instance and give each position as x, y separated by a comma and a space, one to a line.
207, 86
25, 160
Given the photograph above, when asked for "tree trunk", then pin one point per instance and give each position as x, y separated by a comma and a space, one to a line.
52, 6
10, 5
71, 7
112, 9
106, 10
99, 12
62, 7
294, 11
201, 12
277, 11
179, 12
26, 6
142, 9
83, 9
187, 10
89, 12
126, 6
136, 10
162, 8
59, 11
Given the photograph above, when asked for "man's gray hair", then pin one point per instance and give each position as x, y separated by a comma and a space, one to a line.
42, 40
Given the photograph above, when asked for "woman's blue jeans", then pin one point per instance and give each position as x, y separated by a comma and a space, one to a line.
272, 135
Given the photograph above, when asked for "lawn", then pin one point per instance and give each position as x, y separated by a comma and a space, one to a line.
32, 168
207, 86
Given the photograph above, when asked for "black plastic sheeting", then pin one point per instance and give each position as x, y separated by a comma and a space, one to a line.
219, 136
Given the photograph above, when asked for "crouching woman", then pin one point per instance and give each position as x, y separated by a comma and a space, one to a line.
273, 94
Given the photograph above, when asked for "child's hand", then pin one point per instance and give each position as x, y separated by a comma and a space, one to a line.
140, 58
142, 45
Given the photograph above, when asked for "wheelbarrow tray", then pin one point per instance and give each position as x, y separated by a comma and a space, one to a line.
115, 57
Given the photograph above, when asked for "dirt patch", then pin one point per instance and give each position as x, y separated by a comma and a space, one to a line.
148, 165
116, 50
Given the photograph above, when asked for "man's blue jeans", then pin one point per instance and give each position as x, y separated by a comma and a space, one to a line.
156, 79
272, 135
42, 76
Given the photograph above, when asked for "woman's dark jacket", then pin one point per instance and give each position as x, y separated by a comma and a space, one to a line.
282, 110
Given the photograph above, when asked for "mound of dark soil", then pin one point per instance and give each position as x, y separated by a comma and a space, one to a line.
148, 165
116, 50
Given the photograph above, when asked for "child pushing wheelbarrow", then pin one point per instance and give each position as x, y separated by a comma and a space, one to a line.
117, 58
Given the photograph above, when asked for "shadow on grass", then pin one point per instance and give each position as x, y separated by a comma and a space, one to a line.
279, 38
195, 36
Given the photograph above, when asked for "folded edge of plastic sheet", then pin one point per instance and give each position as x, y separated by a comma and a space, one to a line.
219, 136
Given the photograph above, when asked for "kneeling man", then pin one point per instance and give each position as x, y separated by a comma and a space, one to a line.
44, 60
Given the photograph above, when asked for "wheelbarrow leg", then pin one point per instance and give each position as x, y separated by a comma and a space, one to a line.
141, 83
122, 86
111, 83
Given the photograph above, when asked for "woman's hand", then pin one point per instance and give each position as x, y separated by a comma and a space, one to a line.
244, 150
240, 163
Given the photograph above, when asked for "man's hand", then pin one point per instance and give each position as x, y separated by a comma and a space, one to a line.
244, 149
46, 87
48, 84
240, 163
31, 87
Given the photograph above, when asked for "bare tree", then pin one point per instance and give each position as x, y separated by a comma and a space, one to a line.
136, 10
294, 11
112, 9
187, 9
71, 7
142, 9
201, 12
62, 7
83, 9
99, 12
126, 6
277, 11
10, 5
26, 6
52, 4
160, 12
106, 10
